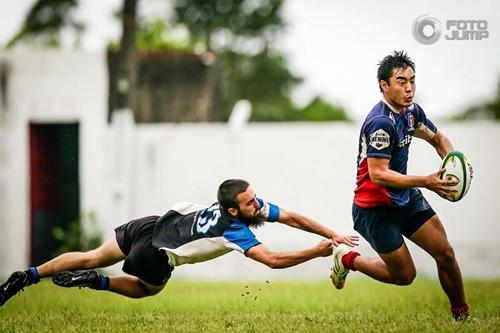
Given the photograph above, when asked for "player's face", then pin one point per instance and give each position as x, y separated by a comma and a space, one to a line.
401, 88
248, 205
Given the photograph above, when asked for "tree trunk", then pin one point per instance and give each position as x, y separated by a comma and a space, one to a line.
127, 64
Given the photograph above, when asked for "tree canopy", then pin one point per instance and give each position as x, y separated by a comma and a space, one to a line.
45, 21
489, 109
241, 35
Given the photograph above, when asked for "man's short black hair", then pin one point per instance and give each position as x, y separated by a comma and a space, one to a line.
396, 60
228, 190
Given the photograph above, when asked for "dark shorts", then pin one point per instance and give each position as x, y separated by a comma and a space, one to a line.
142, 259
384, 227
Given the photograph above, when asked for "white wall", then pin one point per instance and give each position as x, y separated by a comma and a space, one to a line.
48, 87
309, 168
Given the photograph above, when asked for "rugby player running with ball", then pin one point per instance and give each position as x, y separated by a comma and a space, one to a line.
387, 202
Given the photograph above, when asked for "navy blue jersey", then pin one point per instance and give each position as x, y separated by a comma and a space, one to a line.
191, 233
386, 133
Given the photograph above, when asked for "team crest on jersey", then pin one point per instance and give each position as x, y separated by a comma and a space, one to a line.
411, 120
379, 139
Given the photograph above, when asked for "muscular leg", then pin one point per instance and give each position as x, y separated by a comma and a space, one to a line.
131, 286
107, 254
432, 238
395, 267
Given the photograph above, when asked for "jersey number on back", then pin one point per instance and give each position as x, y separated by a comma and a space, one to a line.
207, 218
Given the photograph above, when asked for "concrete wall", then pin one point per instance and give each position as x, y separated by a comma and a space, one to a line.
48, 87
128, 170
309, 168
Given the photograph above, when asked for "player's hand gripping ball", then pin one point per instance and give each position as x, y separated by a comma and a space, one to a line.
459, 169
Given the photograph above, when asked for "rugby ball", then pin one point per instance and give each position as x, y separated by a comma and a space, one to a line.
457, 168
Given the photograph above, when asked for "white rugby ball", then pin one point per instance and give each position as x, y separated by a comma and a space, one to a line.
457, 168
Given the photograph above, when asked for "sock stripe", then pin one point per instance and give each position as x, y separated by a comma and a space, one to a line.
33, 274
103, 282
348, 260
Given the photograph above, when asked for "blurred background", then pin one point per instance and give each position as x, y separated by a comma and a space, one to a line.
112, 110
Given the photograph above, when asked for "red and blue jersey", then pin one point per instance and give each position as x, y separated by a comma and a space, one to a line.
386, 133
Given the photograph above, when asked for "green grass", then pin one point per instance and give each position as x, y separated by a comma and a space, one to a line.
201, 306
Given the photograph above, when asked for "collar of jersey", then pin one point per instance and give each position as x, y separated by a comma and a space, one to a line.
393, 109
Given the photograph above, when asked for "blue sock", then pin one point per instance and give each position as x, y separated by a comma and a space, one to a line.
33, 275
103, 282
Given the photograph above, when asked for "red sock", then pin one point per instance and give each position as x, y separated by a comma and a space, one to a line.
348, 260
458, 310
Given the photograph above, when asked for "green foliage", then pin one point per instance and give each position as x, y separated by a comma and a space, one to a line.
80, 235
154, 36
235, 306
263, 79
45, 20
241, 32
320, 110
244, 18
266, 81
486, 110
249, 67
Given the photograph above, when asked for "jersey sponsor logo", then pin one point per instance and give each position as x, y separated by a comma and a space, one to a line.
207, 218
406, 141
379, 139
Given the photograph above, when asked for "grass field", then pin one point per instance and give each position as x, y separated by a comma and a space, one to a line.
202, 306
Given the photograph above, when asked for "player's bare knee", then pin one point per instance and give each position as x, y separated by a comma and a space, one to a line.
140, 295
405, 278
446, 256
150, 290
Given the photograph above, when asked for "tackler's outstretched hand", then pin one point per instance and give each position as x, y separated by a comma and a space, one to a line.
345, 239
303, 222
325, 248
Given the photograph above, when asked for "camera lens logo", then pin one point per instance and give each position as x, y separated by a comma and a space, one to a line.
422, 36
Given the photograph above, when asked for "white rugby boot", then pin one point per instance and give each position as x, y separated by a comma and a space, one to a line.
338, 273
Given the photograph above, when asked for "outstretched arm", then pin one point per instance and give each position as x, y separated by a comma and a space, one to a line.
272, 259
303, 222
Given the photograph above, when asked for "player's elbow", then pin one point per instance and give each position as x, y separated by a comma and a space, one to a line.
274, 262
273, 265
377, 177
